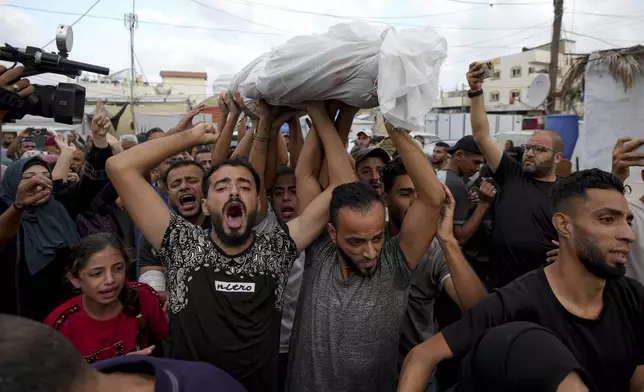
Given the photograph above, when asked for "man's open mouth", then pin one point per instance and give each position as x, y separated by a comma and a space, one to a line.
234, 213
188, 201
288, 212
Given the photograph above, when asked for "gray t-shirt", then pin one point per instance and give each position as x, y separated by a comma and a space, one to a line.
458, 188
347, 331
426, 283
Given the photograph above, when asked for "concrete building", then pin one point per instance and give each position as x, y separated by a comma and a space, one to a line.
507, 91
192, 84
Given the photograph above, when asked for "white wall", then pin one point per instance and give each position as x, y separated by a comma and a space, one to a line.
192, 87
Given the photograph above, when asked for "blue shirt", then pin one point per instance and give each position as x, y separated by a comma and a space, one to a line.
172, 375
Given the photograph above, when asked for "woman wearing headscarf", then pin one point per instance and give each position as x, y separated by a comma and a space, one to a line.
44, 235
36, 236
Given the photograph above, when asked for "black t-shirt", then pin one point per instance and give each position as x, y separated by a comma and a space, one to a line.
522, 230
148, 256
226, 309
609, 348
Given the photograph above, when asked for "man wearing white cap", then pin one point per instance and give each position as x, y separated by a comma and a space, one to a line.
363, 138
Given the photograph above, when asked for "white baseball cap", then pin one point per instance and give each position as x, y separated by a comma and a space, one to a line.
366, 132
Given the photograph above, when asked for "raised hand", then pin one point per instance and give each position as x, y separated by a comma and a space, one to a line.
230, 103
552, 255
114, 144
625, 157
445, 225
64, 145
487, 193
33, 191
474, 77
205, 133
101, 125
186, 121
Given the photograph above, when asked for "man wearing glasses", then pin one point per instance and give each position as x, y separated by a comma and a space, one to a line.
522, 231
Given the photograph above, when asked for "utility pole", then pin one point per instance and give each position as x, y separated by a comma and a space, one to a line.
131, 23
553, 70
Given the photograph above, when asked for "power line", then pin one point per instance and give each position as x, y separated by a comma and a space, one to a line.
338, 16
591, 37
76, 21
493, 4
144, 21
237, 16
638, 17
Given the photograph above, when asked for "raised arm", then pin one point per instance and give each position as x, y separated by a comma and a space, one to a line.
64, 159
343, 124
419, 225
186, 121
463, 285
127, 172
420, 363
296, 140
245, 144
480, 126
229, 115
307, 171
310, 224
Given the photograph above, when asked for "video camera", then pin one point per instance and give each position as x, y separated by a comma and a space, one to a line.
64, 103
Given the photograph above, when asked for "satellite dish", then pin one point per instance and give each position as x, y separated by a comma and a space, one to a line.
538, 90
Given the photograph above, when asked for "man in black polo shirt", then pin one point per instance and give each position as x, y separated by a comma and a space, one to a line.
522, 232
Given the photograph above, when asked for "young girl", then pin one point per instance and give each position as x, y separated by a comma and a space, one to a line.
111, 317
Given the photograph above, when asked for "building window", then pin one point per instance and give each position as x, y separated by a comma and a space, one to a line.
515, 95
532, 70
497, 75
494, 96
516, 72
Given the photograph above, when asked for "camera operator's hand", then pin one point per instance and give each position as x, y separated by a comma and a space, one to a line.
101, 125
22, 87
66, 148
32, 191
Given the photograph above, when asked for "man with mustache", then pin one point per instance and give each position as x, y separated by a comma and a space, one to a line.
575, 325
522, 231
356, 283
226, 285
369, 164
182, 181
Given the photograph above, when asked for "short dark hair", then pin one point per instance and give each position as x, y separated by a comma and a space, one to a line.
357, 196
282, 171
152, 131
392, 170
23, 341
180, 163
236, 162
575, 186
442, 145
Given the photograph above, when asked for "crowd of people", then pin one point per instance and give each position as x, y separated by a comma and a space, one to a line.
180, 263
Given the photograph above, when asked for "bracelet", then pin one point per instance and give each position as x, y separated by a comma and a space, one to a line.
260, 138
477, 93
19, 209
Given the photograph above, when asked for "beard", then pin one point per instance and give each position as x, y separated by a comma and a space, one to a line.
354, 266
236, 237
541, 169
595, 263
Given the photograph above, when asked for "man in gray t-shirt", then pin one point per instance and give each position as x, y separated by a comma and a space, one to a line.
355, 285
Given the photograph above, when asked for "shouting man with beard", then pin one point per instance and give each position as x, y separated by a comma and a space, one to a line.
522, 232
226, 286
575, 325
356, 283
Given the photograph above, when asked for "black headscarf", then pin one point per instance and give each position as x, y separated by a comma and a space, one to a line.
47, 228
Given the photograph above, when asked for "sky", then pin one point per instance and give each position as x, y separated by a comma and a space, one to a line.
222, 36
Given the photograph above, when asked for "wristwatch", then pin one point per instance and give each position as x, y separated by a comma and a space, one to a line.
476, 93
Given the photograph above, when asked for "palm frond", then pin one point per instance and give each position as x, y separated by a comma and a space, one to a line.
625, 64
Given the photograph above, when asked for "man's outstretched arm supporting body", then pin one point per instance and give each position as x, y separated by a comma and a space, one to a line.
309, 225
